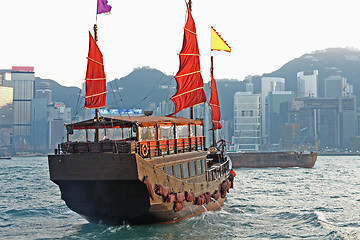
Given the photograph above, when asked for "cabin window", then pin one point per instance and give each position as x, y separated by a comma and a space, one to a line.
133, 131
147, 133
203, 164
182, 131
192, 130
178, 170
192, 169
80, 136
169, 169
166, 132
115, 133
101, 134
186, 170
162, 168
198, 167
125, 133
199, 130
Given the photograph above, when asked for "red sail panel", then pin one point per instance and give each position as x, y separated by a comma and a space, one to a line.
215, 105
95, 77
190, 90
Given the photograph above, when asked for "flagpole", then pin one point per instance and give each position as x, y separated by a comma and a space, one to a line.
97, 5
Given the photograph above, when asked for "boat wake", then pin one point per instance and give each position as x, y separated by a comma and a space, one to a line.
321, 218
336, 230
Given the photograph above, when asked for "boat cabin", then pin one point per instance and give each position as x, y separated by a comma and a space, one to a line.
149, 136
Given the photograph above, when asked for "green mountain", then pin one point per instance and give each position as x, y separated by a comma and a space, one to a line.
140, 88
70, 96
145, 85
342, 61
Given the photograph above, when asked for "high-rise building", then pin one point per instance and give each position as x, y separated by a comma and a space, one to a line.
58, 115
43, 91
335, 87
330, 121
307, 82
247, 130
249, 84
268, 84
348, 120
278, 102
39, 125
23, 79
6, 96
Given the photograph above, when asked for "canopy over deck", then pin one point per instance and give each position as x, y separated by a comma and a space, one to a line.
123, 122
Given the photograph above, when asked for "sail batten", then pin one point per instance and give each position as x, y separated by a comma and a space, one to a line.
95, 77
98, 94
187, 74
95, 61
190, 83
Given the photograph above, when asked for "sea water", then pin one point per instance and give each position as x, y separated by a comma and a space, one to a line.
271, 203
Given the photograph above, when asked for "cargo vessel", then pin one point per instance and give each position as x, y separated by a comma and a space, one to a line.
273, 159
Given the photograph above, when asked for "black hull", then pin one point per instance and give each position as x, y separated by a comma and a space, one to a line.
272, 159
109, 188
110, 202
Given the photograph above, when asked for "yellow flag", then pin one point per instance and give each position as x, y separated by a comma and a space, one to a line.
217, 43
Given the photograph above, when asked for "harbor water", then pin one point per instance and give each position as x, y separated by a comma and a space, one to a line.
272, 203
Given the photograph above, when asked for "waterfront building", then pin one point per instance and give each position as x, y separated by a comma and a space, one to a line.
58, 115
249, 84
335, 87
330, 121
6, 96
307, 83
268, 85
277, 106
247, 127
43, 91
23, 79
39, 125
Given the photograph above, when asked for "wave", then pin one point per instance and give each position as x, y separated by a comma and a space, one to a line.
337, 231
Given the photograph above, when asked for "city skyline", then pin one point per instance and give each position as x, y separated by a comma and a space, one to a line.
263, 35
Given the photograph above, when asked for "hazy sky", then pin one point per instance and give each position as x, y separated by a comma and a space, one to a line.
51, 35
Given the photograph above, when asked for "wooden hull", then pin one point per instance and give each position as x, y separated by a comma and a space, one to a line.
273, 159
109, 188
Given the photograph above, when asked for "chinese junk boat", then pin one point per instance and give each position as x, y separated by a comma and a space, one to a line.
148, 169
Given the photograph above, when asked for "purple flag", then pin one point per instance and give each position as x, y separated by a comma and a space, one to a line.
103, 7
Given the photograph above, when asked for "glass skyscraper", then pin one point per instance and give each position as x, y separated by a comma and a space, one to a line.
23, 79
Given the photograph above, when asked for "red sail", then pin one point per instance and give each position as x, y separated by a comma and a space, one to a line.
190, 90
215, 105
95, 77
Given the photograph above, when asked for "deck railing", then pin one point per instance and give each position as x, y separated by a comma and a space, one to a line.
217, 170
146, 149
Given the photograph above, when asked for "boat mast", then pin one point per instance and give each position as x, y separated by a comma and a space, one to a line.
97, 119
192, 115
190, 91
212, 74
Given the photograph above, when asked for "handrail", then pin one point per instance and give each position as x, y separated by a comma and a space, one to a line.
155, 148
215, 172
171, 146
